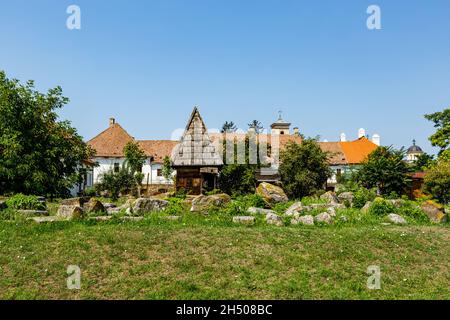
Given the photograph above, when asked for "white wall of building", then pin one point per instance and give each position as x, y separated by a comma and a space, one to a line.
151, 171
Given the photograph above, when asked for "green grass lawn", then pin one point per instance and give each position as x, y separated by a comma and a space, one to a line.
155, 259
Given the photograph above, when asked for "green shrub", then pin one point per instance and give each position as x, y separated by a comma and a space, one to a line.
23, 202
361, 196
90, 192
181, 193
381, 207
176, 206
410, 209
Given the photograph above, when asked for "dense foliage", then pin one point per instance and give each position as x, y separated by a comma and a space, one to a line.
39, 154
135, 156
441, 138
304, 168
23, 202
385, 170
437, 181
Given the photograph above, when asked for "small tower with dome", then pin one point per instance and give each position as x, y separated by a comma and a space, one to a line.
414, 152
280, 126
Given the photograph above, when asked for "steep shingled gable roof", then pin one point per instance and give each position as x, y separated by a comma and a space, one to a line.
196, 147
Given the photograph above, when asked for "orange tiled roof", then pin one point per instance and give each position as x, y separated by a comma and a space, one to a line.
357, 151
158, 149
110, 142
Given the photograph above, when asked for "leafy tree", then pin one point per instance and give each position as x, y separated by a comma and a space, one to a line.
423, 161
304, 168
437, 181
135, 156
441, 122
256, 125
167, 168
228, 127
115, 183
237, 179
39, 154
385, 170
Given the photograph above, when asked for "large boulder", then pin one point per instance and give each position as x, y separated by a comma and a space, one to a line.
434, 211
294, 209
93, 205
324, 217
306, 220
329, 197
254, 210
396, 219
244, 219
346, 197
274, 219
271, 194
68, 212
146, 205
204, 203
398, 203
78, 201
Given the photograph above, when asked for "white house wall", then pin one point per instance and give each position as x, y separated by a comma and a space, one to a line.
150, 171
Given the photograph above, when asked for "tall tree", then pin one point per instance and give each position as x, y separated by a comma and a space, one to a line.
385, 170
228, 127
441, 138
437, 181
135, 156
304, 168
423, 161
256, 125
39, 153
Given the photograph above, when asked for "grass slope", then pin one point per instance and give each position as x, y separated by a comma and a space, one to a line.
175, 260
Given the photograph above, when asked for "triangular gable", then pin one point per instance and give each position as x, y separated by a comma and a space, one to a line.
196, 147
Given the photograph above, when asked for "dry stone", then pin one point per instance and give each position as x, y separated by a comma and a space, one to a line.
271, 194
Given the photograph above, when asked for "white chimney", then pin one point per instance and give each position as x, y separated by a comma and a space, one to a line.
361, 133
376, 139
112, 121
343, 137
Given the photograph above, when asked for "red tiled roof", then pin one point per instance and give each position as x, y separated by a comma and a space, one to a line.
158, 149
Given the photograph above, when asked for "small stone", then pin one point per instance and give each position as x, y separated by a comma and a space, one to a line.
324, 217
396, 219
366, 207
293, 209
203, 203
173, 218
43, 219
93, 205
254, 210
3, 205
32, 213
330, 197
346, 197
101, 218
435, 212
331, 211
146, 205
306, 220
244, 219
274, 219
343, 218
128, 218
78, 202
69, 212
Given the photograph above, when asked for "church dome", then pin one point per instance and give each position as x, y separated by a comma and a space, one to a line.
414, 148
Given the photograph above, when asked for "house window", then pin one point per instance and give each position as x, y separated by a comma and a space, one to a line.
159, 172
116, 167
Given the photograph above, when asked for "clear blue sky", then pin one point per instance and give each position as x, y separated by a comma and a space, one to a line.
147, 63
